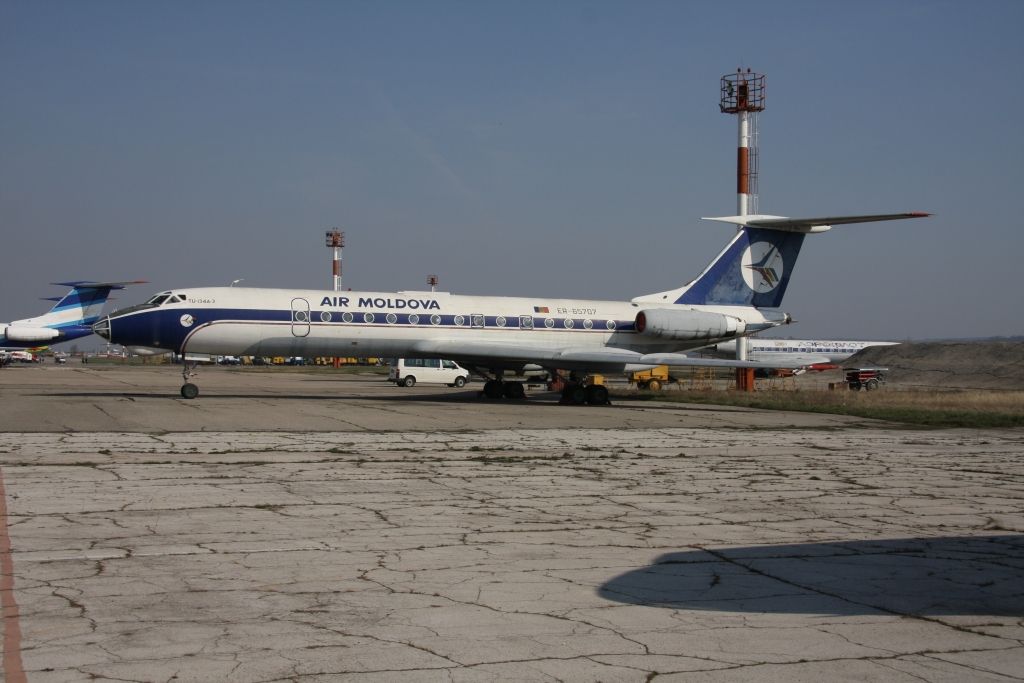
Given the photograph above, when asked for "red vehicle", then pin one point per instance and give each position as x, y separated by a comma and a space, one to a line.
868, 379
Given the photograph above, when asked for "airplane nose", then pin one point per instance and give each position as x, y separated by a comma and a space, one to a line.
102, 327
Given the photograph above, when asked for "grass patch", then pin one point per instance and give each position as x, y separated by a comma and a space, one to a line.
946, 409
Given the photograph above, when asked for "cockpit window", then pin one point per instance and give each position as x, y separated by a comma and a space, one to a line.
177, 298
158, 299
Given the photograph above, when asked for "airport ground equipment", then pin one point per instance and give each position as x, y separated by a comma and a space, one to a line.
653, 379
868, 379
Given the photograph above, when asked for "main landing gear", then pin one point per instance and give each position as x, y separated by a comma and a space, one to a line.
496, 388
575, 391
579, 390
576, 394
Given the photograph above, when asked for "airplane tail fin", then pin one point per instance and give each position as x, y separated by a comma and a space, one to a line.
82, 304
755, 267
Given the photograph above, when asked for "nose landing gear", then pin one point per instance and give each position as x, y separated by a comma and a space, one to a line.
188, 371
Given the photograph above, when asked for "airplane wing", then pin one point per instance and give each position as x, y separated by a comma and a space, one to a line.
608, 359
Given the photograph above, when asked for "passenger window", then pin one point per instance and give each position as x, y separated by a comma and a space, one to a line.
432, 363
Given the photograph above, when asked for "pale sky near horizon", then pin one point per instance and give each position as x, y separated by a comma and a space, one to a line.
562, 149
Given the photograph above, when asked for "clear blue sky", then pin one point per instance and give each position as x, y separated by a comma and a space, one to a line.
522, 148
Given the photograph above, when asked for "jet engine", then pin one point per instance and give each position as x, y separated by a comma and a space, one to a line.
687, 325
19, 333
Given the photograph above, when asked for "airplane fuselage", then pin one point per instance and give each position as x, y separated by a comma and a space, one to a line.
795, 351
287, 322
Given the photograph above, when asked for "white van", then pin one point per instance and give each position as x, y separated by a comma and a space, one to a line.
406, 372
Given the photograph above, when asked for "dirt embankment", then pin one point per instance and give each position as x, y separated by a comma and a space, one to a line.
948, 365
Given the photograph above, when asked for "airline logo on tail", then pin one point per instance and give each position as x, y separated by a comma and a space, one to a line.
763, 267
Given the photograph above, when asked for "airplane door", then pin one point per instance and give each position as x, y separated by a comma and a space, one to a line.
300, 317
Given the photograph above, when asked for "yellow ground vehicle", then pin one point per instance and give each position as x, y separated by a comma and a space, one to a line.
653, 379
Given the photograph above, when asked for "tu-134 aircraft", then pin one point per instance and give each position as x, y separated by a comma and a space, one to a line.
739, 293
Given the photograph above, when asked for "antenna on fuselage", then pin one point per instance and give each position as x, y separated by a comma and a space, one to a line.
432, 281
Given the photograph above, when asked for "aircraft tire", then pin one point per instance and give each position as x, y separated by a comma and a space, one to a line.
574, 394
189, 390
597, 395
493, 389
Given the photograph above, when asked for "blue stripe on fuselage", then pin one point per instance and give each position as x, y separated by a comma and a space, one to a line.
162, 327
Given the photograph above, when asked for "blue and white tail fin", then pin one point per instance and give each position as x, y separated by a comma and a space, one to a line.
755, 267
70, 318
82, 305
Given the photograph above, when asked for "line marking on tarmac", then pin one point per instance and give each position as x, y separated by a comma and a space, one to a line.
14, 671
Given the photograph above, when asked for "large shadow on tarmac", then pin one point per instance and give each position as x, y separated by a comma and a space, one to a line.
981, 575
450, 397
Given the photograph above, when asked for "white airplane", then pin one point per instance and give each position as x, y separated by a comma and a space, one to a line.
738, 294
70, 318
794, 352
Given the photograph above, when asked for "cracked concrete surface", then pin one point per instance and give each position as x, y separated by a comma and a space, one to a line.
664, 552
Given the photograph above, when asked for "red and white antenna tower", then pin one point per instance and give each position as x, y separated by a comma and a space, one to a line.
336, 241
742, 94
432, 281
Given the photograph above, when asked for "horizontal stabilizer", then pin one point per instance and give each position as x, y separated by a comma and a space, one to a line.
90, 283
810, 224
